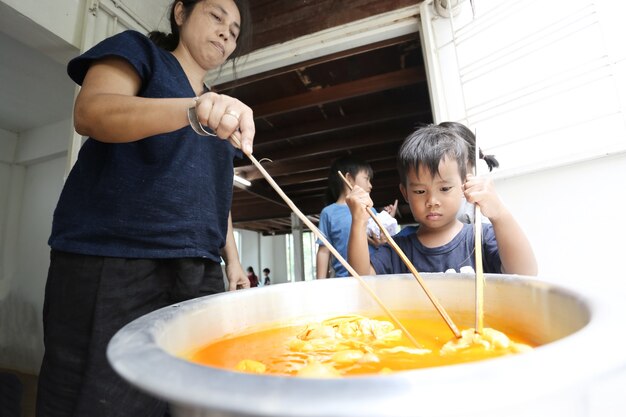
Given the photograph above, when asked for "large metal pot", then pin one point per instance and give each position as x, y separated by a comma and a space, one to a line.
553, 380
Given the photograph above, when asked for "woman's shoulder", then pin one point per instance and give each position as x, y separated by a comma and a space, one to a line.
130, 45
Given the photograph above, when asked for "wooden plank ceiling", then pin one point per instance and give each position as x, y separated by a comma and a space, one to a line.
362, 102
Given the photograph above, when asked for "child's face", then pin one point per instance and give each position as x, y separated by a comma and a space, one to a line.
362, 179
434, 201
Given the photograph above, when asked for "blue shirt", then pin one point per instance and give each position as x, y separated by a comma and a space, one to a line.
451, 257
165, 196
335, 223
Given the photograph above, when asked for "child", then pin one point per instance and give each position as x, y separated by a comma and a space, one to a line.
335, 219
266, 276
432, 163
466, 211
254, 280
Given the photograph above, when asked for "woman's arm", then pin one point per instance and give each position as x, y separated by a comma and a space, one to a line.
234, 271
107, 108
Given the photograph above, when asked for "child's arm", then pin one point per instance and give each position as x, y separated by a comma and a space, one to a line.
358, 253
322, 261
516, 253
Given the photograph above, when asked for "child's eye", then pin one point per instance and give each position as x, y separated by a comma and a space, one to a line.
216, 17
418, 191
446, 189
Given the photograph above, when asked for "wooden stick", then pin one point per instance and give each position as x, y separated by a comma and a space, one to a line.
330, 247
442, 312
480, 277
478, 251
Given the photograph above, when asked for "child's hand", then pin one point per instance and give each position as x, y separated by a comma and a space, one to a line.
358, 200
377, 241
392, 208
482, 191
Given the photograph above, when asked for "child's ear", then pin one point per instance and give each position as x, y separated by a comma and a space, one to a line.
403, 191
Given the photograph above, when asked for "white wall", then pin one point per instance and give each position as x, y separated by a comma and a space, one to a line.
260, 252
8, 144
544, 86
34, 190
33, 160
60, 17
249, 250
574, 218
274, 257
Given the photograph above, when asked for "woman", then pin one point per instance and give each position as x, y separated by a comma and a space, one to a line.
144, 216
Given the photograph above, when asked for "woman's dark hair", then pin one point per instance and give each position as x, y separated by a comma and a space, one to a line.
169, 41
467, 135
347, 165
427, 147
250, 269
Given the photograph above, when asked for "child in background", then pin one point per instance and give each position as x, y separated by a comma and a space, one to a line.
254, 280
432, 164
335, 219
266, 276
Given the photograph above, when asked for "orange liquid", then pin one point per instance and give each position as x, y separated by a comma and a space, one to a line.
270, 346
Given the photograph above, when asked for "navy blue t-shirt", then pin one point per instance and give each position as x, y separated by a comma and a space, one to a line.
165, 196
451, 257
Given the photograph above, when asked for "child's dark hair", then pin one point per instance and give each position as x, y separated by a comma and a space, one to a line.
266, 270
428, 146
169, 41
347, 165
467, 135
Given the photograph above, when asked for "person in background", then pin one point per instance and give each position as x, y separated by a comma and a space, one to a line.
432, 163
335, 218
252, 277
266, 276
143, 220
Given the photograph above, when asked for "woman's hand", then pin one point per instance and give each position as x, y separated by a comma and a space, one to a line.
237, 278
227, 116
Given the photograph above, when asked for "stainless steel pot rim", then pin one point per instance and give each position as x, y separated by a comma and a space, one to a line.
135, 355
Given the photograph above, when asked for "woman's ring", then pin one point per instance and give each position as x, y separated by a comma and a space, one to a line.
232, 113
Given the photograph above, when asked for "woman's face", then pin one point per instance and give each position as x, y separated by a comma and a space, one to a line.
210, 32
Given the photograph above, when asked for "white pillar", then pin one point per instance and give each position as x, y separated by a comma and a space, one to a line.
298, 252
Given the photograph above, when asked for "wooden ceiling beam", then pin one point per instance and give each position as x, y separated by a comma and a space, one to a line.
314, 162
322, 148
223, 88
390, 80
388, 114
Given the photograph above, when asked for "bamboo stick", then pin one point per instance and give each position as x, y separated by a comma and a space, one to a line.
330, 247
442, 312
